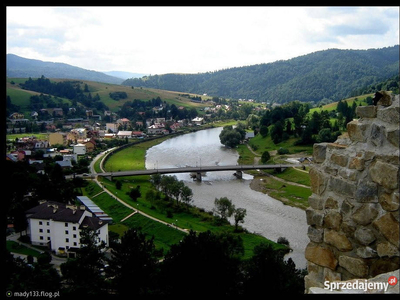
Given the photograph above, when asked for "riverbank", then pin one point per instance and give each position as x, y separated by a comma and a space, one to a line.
288, 193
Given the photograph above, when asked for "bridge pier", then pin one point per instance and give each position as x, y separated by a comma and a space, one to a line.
198, 176
239, 174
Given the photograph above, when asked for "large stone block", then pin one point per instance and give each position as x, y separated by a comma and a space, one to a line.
366, 111
319, 152
389, 114
332, 220
337, 240
367, 191
340, 160
392, 136
385, 174
356, 131
343, 187
389, 228
355, 266
365, 214
364, 236
318, 181
321, 256
389, 202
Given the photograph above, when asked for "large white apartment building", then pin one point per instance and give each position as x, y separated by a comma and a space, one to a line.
58, 226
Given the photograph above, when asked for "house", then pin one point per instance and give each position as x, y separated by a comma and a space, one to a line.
198, 121
155, 129
58, 226
80, 149
90, 145
138, 134
124, 134
112, 127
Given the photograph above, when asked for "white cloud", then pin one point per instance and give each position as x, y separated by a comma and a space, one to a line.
192, 39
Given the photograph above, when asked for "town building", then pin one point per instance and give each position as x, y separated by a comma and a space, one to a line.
58, 226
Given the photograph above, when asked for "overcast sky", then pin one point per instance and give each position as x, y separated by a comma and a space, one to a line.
159, 40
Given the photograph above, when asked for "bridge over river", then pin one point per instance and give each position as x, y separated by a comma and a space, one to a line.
198, 170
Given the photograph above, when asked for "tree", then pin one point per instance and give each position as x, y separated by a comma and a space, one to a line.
264, 130
239, 215
231, 137
224, 207
265, 157
277, 132
134, 264
201, 265
83, 273
285, 279
135, 193
186, 194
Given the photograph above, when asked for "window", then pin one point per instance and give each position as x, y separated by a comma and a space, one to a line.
66, 232
40, 230
48, 223
48, 230
40, 223
66, 224
67, 240
74, 228
41, 238
74, 236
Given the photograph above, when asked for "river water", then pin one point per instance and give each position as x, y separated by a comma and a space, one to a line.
265, 215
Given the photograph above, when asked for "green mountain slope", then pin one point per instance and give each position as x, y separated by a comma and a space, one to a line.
331, 74
17, 66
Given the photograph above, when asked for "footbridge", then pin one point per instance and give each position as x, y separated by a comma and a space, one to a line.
197, 171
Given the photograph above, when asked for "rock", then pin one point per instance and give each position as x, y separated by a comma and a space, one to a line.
356, 131
321, 256
389, 202
333, 220
337, 240
355, 266
389, 228
318, 181
366, 111
319, 152
387, 249
365, 214
364, 235
384, 174
385, 100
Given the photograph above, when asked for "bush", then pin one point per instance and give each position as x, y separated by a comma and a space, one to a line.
282, 151
265, 157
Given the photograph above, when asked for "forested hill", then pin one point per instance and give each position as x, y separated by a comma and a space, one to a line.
331, 74
17, 66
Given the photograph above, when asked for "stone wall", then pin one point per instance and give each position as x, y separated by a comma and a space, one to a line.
353, 216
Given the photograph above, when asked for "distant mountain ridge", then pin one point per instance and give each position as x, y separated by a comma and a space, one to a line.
17, 66
332, 74
125, 75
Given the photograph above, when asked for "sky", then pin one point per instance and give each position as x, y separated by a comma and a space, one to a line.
159, 40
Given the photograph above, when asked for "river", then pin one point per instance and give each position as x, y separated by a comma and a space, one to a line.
265, 215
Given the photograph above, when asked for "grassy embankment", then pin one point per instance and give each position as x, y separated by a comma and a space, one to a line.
188, 218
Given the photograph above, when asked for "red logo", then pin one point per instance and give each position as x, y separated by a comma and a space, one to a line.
392, 280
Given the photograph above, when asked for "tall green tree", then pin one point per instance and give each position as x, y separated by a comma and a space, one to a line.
83, 273
201, 265
134, 265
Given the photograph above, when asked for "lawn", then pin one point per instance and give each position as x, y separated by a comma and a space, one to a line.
21, 249
131, 158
